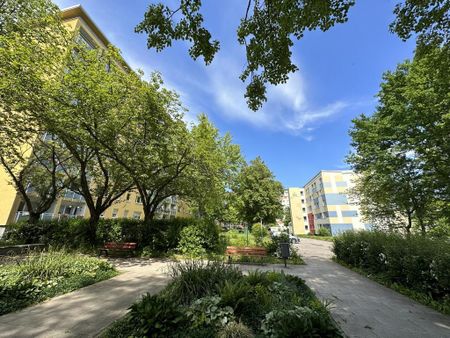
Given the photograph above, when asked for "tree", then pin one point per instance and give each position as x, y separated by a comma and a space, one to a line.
216, 163
32, 162
402, 150
430, 19
259, 193
287, 219
32, 46
267, 28
91, 96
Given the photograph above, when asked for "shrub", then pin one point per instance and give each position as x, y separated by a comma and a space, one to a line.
199, 238
259, 232
416, 262
235, 330
155, 316
44, 275
297, 322
324, 232
197, 279
158, 236
208, 311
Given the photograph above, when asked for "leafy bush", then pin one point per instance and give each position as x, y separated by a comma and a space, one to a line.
158, 236
199, 238
235, 330
297, 322
325, 232
207, 311
44, 275
155, 316
259, 232
416, 262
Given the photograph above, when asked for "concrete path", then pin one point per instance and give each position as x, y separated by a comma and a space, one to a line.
362, 307
85, 312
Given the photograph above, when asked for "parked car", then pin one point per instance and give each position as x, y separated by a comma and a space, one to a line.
294, 239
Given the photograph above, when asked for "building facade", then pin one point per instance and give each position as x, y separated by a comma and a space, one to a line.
325, 202
297, 203
329, 204
70, 204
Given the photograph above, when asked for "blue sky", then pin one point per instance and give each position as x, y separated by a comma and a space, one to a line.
303, 128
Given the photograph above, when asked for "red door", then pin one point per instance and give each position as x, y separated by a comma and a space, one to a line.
311, 223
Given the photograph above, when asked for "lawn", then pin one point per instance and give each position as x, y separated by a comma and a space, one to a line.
47, 274
235, 238
320, 238
213, 299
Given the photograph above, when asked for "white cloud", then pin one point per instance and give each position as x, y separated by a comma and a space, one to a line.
286, 110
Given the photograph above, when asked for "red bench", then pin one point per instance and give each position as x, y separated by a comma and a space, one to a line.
245, 251
117, 247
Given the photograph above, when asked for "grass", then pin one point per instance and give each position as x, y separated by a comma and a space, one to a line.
420, 297
213, 299
44, 275
320, 238
235, 238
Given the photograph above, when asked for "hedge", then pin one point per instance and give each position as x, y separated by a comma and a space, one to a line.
418, 263
157, 236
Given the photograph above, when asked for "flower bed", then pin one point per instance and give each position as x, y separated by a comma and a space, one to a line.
47, 274
216, 300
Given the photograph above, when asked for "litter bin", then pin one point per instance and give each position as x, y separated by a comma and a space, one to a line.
285, 254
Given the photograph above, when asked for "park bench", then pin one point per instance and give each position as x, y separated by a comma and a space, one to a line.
114, 247
245, 251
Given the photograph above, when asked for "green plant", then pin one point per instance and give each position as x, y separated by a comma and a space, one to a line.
155, 316
325, 232
209, 311
195, 279
44, 275
235, 330
298, 322
199, 238
415, 262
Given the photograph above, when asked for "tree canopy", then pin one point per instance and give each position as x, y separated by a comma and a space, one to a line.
268, 27
259, 193
401, 152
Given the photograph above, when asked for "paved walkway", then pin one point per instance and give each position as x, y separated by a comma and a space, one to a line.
362, 307
85, 312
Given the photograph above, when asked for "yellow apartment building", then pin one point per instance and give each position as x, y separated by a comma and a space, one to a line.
70, 204
297, 203
329, 204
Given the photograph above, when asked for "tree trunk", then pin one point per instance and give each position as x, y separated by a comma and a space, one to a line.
33, 217
409, 226
149, 214
422, 226
92, 229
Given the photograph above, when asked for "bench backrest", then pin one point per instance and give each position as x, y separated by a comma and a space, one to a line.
121, 246
247, 250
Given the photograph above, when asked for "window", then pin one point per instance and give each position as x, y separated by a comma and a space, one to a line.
303, 209
138, 200
349, 213
303, 201
114, 213
306, 227
125, 214
128, 196
304, 218
85, 39
136, 215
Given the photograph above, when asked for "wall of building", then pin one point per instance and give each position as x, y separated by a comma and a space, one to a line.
297, 204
